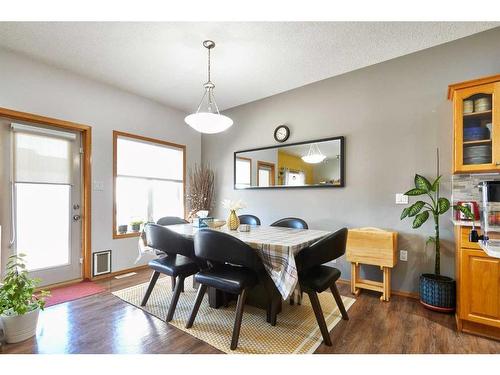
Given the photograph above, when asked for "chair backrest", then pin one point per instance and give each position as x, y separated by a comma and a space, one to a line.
171, 220
219, 247
163, 239
291, 222
325, 250
249, 219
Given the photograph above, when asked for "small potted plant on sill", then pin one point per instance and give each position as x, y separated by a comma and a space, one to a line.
19, 306
437, 292
135, 225
122, 229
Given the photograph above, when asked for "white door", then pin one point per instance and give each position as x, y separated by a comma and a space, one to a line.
45, 201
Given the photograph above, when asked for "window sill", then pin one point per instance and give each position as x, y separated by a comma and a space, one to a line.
126, 235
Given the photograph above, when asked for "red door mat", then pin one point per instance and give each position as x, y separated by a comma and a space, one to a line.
72, 292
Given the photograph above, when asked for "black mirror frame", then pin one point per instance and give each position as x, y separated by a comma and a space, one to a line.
342, 165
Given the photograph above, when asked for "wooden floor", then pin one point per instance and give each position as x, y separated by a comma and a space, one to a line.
105, 324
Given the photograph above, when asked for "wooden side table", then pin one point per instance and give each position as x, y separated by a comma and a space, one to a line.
376, 247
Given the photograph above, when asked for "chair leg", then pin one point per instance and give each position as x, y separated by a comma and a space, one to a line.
199, 297
274, 309
237, 321
175, 298
152, 282
173, 282
338, 299
320, 317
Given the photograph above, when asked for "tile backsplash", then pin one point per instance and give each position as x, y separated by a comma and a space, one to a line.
465, 186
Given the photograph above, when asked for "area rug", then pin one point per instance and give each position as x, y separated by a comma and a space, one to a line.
72, 292
296, 331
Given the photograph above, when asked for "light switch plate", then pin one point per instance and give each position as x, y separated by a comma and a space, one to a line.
401, 198
98, 186
403, 255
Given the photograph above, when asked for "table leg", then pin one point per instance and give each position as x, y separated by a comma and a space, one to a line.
354, 278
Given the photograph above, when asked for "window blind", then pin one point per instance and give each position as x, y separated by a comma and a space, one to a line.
41, 155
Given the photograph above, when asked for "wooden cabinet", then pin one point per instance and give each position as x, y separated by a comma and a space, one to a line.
476, 119
478, 288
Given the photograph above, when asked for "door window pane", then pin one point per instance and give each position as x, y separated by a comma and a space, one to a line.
264, 176
42, 224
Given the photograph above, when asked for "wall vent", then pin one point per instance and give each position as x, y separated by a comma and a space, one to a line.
102, 262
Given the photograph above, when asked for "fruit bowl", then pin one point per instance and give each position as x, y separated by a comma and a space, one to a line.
216, 224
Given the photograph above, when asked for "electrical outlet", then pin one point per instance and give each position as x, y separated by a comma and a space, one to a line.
403, 255
401, 198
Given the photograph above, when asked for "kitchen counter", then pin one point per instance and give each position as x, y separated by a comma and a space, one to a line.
465, 223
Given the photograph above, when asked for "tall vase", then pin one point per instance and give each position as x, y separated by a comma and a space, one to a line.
233, 221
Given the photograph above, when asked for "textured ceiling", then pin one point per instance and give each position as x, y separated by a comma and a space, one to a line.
166, 61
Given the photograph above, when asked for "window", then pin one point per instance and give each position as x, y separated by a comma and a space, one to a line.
265, 174
243, 172
149, 181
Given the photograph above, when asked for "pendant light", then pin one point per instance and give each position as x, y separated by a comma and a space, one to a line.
207, 118
314, 155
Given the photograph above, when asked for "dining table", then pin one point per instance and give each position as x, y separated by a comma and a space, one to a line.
276, 246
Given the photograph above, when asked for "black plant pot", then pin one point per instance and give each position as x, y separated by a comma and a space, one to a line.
437, 293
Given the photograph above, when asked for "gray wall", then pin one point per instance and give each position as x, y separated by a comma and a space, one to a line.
394, 115
30, 86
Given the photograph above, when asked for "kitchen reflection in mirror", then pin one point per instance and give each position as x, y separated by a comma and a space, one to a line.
318, 163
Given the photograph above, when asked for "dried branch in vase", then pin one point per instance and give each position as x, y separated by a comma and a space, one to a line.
201, 188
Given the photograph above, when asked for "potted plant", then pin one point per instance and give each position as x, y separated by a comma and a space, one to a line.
437, 292
135, 225
122, 229
19, 307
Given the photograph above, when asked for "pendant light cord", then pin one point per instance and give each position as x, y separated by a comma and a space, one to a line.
208, 64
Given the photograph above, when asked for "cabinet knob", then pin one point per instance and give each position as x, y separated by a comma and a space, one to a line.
497, 163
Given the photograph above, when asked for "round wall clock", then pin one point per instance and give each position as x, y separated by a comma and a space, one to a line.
281, 133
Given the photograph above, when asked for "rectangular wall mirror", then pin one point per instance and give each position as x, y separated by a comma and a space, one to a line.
317, 163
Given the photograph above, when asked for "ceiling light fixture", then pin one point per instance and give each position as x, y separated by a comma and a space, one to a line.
314, 155
207, 118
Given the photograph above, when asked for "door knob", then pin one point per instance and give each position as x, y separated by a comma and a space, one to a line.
76, 217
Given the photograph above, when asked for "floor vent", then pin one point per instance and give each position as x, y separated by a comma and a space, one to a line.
102, 262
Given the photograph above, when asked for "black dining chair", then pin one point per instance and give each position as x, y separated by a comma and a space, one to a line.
233, 267
171, 220
249, 219
179, 261
291, 222
315, 277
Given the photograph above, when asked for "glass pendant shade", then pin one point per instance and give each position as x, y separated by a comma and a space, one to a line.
209, 123
207, 118
314, 156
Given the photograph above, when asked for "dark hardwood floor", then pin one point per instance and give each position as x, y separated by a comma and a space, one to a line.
105, 324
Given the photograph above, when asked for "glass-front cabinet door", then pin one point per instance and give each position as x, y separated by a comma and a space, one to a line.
477, 132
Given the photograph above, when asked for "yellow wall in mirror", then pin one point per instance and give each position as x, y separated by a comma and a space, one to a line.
286, 160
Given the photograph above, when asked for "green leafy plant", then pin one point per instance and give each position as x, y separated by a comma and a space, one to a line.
17, 293
435, 206
136, 222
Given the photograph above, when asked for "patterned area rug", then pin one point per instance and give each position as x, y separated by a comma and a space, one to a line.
296, 331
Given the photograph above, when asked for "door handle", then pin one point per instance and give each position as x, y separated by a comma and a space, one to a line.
76, 217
